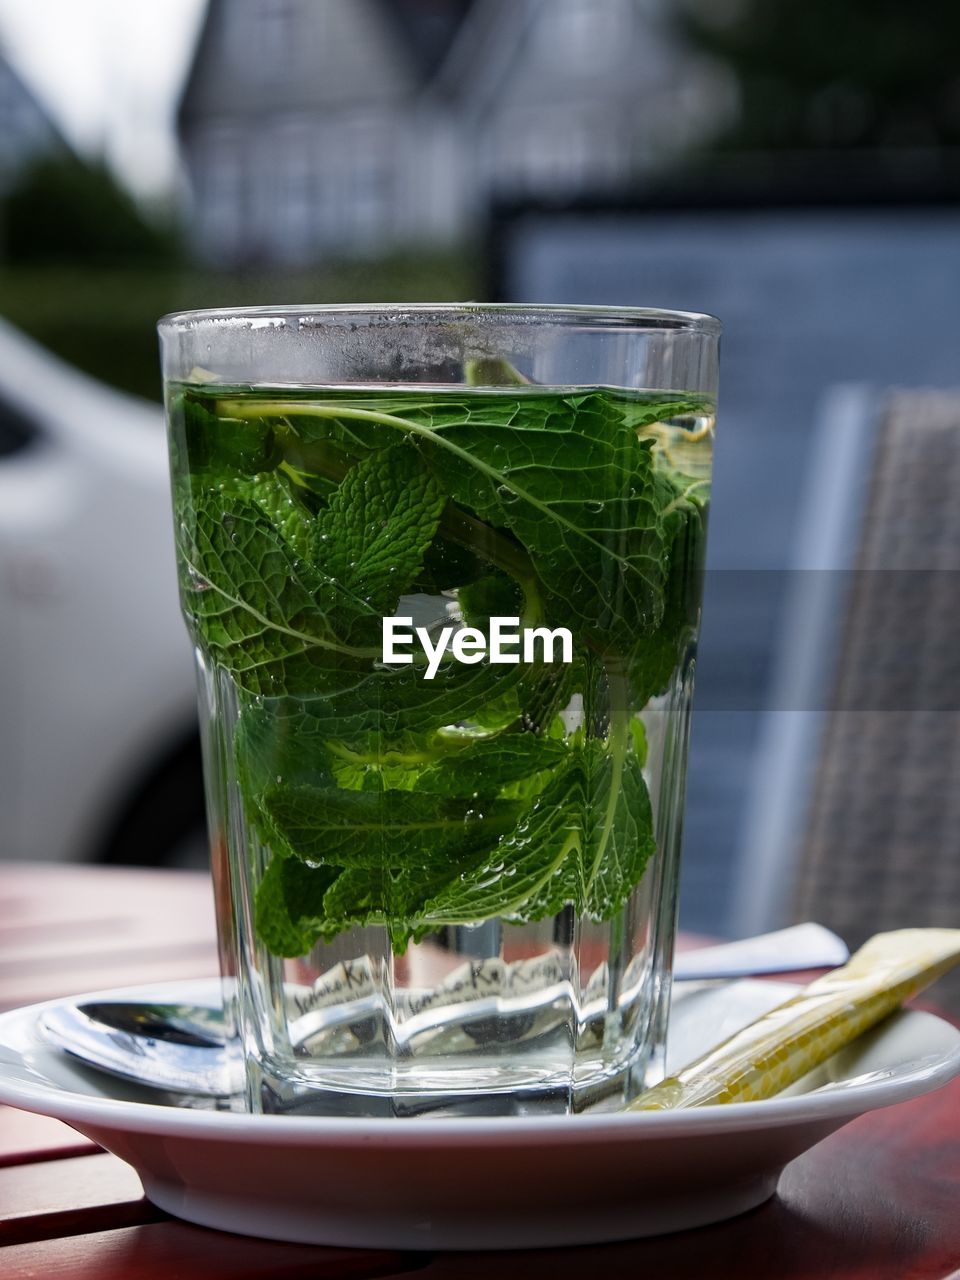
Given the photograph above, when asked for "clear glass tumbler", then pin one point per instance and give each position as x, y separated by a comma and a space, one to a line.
442, 568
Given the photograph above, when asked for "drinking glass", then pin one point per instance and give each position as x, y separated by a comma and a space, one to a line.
442, 569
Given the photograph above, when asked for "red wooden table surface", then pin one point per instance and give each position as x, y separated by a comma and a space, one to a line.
880, 1200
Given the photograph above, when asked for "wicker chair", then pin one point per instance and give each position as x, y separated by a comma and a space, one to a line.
876, 827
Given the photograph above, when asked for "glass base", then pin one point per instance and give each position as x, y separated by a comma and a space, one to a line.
505, 1091
540, 1053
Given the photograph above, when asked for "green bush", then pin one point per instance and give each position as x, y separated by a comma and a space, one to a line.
820, 74
62, 210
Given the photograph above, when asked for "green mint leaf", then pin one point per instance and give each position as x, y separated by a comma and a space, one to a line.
275, 598
492, 763
572, 483
619, 825
286, 509
545, 692
642, 415
289, 915
492, 596
391, 896
221, 445
252, 600
350, 705
653, 660
371, 539
447, 566
638, 734
271, 750
492, 371
277, 742
585, 842
398, 829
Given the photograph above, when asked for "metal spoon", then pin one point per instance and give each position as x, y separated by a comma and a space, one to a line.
181, 1048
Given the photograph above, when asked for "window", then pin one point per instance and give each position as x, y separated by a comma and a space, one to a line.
548, 152
220, 194
371, 187
357, 183
295, 195
17, 431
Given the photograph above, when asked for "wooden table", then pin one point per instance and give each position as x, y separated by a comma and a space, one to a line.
880, 1200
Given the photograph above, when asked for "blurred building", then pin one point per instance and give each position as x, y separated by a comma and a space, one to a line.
315, 128
27, 133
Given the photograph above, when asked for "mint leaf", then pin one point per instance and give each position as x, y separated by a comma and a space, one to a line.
492, 763
653, 659
225, 446
447, 566
349, 704
584, 842
289, 914
391, 896
545, 692
618, 823
371, 539
398, 829
274, 598
286, 509
571, 481
273, 749
640, 415
494, 595
251, 599
276, 742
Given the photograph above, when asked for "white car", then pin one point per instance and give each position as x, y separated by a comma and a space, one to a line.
99, 754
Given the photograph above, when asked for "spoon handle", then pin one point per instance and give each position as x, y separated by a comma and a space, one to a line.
159, 1063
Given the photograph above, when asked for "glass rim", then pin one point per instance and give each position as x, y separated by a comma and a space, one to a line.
639, 318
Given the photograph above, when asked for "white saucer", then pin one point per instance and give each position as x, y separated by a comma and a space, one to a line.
479, 1183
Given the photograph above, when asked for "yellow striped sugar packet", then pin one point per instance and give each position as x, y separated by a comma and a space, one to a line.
784, 1044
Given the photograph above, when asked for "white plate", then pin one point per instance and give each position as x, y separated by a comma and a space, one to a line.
479, 1183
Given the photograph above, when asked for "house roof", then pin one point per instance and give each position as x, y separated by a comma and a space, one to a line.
495, 58
428, 28
381, 53
483, 52
338, 52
